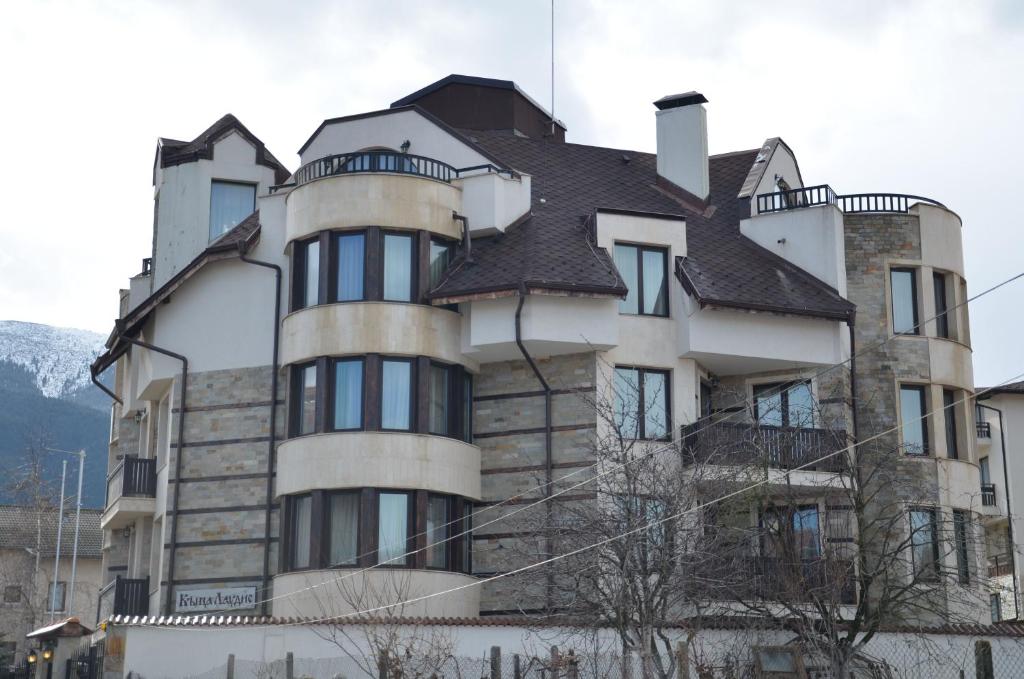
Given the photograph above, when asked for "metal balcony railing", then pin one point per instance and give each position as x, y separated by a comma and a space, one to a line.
375, 161
850, 203
984, 430
730, 443
988, 494
123, 596
769, 577
132, 477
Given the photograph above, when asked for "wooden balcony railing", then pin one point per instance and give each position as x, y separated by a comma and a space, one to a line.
132, 477
767, 578
123, 596
730, 443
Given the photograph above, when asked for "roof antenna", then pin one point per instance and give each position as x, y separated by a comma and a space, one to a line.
552, 68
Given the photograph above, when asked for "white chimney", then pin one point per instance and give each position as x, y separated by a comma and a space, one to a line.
683, 142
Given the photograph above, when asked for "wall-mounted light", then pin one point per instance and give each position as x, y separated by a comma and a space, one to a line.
405, 146
48, 654
31, 658
139, 415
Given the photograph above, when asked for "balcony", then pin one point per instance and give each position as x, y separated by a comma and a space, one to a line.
739, 444
984, 430
767, 578
131, 492
988, 495
123, 596
375, 161
1000, 565
849, 203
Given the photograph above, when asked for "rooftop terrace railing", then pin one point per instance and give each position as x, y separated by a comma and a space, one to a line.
851, 203
375, 161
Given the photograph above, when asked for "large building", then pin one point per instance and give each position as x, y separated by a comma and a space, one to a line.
318, 371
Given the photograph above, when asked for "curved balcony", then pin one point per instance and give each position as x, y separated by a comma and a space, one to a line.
850, 203
371, 327
380, 460
369, 589
379, 188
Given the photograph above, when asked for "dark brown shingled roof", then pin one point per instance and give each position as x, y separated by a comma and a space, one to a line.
551, 248
176, 152
1010, 388
18, 531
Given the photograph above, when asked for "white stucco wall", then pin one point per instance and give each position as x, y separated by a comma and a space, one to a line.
389, 131
811, 238
783, 163
682, 136
492, 201
183, 216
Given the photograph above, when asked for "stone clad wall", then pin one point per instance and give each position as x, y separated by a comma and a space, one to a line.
508, 425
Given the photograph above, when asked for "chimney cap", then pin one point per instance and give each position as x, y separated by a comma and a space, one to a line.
679, 100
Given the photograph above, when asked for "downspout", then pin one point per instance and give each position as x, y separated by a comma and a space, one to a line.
548, 455
1009, 512
467, 242
177, 462
850, 323
95, 380
273, 420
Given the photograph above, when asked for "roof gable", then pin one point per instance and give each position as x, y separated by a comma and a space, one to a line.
175, 152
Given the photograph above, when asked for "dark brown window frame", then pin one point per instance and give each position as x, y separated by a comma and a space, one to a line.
457, 538
300, 250
921, 417
640, 249
961, 545
460, 393
373, 266
941, 314
915, 310
330, 393
642, 405
783, 393
936, 555
949, 424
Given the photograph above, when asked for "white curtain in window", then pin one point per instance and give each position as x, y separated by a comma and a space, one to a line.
397, 268
351, 258
626, 263
344, 529
437, 531
312, 291
655, 405
438, 399
348, 394
655, 290
303, 508
395, 394
392, 522
230, 203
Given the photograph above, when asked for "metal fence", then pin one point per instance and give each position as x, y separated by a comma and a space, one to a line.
903, 658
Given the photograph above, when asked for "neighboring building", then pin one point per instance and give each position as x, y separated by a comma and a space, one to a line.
28, 547
1000, 434
405, 387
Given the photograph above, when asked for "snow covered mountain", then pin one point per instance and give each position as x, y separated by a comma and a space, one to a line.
58, 358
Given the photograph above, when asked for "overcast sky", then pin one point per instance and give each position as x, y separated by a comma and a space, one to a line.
913, 97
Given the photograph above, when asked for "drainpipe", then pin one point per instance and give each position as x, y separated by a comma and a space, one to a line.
273, 420
95, 380
850, 322
548, 455
1009, 512
467, 242
177, 462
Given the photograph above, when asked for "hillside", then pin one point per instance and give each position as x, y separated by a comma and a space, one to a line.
45, 393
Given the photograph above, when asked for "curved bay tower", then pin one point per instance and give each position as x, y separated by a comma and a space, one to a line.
337, 368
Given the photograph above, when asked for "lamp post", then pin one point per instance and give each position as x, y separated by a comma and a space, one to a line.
60, 526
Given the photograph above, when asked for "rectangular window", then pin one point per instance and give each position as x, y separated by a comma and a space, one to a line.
465, 542
440, 257
782, 405
438, 516
949, 418
392, 528
55, 600
396, 395
961, 540
306, 274
302, 522
12, 594
941, 305
439, 395
995, 606
644, 270
467, 408
705, 399
230, 203
792, 533
398, 269
351, 254
986, 474
904, 301
912, 412
348, 394
924, 541
343, 548
642, 403
304, 399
